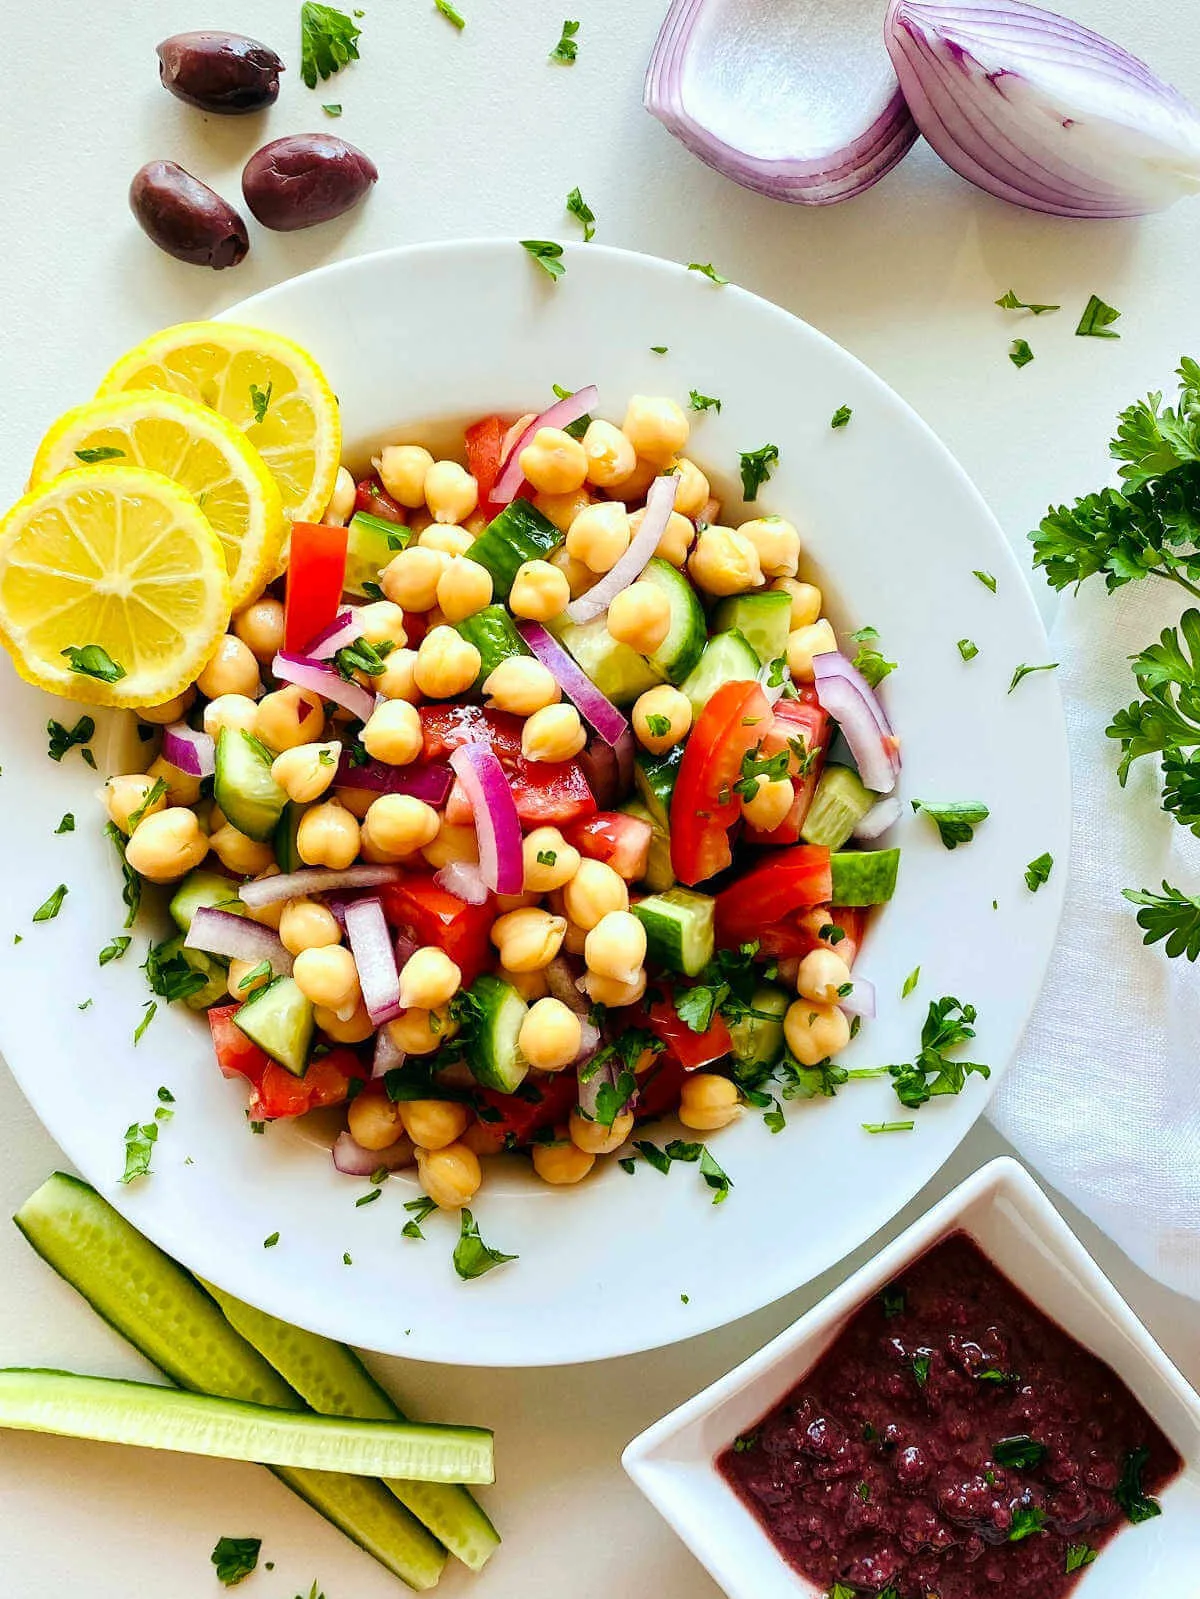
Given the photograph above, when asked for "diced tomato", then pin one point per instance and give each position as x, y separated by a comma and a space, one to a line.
371, 496
659, 1089
786, 881
274, 1092
544, 792
316, 577
237, 1055
691, 1050
795, 719
485, 439
523, 1117
703, 806
429, 915
620, 841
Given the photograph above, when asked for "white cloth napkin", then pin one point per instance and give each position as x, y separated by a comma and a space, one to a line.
1104, 1098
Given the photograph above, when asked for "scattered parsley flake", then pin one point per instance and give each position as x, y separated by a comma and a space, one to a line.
154, 793
547, 254
1038, 872
1095, 323
86, 1005
869, 661
579, 208
840, 417
956, 820
1026, 1520
684, 1300
1008, 302
270, 1241
254, 976
1024, 671
93, 660
910, 982
67, 825
707, 270
986, 578
114, 949
948, 1023
332, 110
1019, 353
1078, 1556
50, 909
328, 42
235, 1558
920, 1369
260, 399
420, 1210
450, 14
367, 1198
472, 1257
131, 892
659, 349
756, 468
1021, 1452
346, 1261
151, 1012
887, 1127
703, 402
102, 452
139, 1147
566, 50
61, 740
1138, 1506
968, 649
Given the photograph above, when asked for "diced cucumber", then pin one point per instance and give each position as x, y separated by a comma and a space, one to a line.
213, 968
658, 874
681, 649
679, 929
654, 777
496, 1061
758, 1040
371, 542
494, 636
762, 618
243, 786
727, 658
864, 876
207, 890
333, 1380
841, 800
280, 1021
287, 855
620, 673
519, 534
153, 1303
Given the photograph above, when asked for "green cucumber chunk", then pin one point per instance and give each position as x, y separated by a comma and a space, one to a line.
334, 1382
763, 619
371, 542
496, 1059
287, 854
679, 929
839, 804
280, 1021
727, 658
654, 778
864, 876
213, 968
659, 874
243, 786
758, 1039
520, 533
153, 1303
620, 673
201, 890
681, 649
494, 636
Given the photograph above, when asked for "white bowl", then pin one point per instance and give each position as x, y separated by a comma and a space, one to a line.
1012, 1221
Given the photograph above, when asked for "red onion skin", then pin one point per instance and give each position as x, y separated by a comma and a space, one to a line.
560, 415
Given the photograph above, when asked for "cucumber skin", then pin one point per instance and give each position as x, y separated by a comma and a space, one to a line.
744, 614
864, 877
369, 548
248, 1018
494, 994
203, 888
492, 633
518, 534
654, 777
259, 816
668, 919
677, 663
727, 658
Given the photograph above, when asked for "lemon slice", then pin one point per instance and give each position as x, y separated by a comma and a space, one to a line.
197, 448
268, 387
116, 557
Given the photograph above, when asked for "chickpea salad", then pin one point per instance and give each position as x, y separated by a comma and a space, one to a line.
507, 802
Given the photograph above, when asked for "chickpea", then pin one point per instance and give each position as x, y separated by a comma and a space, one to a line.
434, 1123
539, 591
595, 1138
411, 578
357, 801
661, 718
232, 670
447, 664
353, 1029
574, 939
656, 427
521, 685
823, 976
676, 539
240, 854
328, 976
393, 733
804, 643
554, 462
306, 924
707, 1101
166, 845
611, 458
399, 825
398, 680
484, 1138
463, 588
451, 493
238, 711
600, 535
402, 470
611, 992
447, 537
169, 710
814, 1031
266, 915
182, 787
327, 836
420, 1032
637, 486
562, 509
616, 947
806, 601
550, 1035
776, 542
289, 717
692, 492
528, 940
579, 577
640, 616
549, 860
124, 795
381, 622
304, 773
771, 802
341, 502
561, 1163
429, 980
450, 1176
724, 561
240, 982
554, 733
476, 523
594, 891
374, 1121
260, 627
453, 843
418, 521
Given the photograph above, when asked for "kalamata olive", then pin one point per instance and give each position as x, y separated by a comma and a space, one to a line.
186, 218
304, 179
222, 72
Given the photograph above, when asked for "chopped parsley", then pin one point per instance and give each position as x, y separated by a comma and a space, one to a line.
1008, 302
154, 793
151, 1009
707, 270
131, 892
67, 825
61, 740
756, 467
910, 982
1097, 319
47, 911
450, 14
547, 254
346, 1261
840, 417
658, 349
992, 1374
968, 649
235, 1558
169, 975
578, 207
472, 1257
1024, 671
868, 660
328, 42
254, 976
419, 1210
1021, 1452
887, 1127
986, 578
894, 1302
86, 1005
1019, 353
140, 1139
368, 1198
566, 50
956, 820
1138, 1506
1078, 1556
270, 1241
920, 1368
93, 660
114, 949
653, 1156
360, 656
689, 1154
703, 402
948, 1024
657, 726
1026, 1520
260, 399
1038, 872
332, 110
863, 1490
547, 857
102, 452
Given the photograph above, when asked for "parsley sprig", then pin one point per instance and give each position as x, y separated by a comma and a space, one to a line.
328, 41
948, 1024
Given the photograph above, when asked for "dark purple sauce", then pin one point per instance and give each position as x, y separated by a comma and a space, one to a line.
883, 1468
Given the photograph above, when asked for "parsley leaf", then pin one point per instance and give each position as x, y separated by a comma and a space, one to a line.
1026, 1520
1021, 1452
1019, 353
968, 649
1168, 719
697, 1006
47, 911
67, 825
420, 1210
887, 1127
270, 1240
654, 1156
93, 660
910, 982
1138, 1506
332, 110
756, 467
450, 14
956, 820
920, 1368
948, 1024
328, 42
169, 974
114, 949
1078, 1556
566, 49
1152, 530
1024, 671
154, 793
1095, 323
361, 656
1038, 872
102, 452
703, 402
578, 207
1008, 302
657, 727
707, 270
235, 1558
986, 578
658, 349
151, 1013
1153, 441
131, 893
840, 417
869, 661
547, 254
472, 1257
893, 1301
139, 1147
260, 399
61, 740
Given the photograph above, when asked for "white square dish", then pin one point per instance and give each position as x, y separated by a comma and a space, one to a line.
1005, 1212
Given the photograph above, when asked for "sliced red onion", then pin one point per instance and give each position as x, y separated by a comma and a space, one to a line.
322, 679
343, 630
431, 781
371, 945
589, 1041
599, 762
191, 751
313, 880
847, 696
463, 879
660, 502
497, 825
625, 749
561, 981
352, 1160
405, 947
560, 415
590, 1080
1041, 111
795, 100
879, 818
228, 933
587, 699
860, 1001
388, 1056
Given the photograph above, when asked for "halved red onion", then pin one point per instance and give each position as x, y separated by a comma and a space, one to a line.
228, 933
322, 679
431, 781
795, 100
463, 879
660, 502
560, 415
587, 699
313, 880
879, 818
847, 696
1041, 111
388, 1056
352, 1160
343, 630
497, 825
371, 945
191, 751
860, 1001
